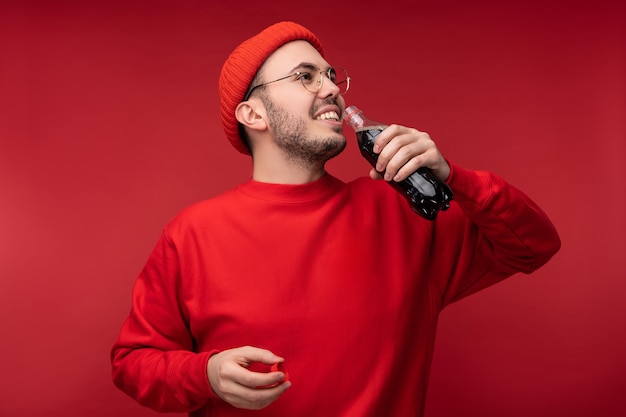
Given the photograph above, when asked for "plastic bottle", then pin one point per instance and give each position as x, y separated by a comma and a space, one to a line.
426, 194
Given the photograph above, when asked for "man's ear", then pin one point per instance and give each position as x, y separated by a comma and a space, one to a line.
250, 114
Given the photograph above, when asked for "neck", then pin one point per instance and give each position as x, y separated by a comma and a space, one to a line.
285, 172
275, 169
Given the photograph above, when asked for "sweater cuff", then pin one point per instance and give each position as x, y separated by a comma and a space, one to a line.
472, 189
188, 379
210, 353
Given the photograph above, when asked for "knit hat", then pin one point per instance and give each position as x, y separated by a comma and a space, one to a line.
242, 65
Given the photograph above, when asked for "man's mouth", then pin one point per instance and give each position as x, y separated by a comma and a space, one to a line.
329, 115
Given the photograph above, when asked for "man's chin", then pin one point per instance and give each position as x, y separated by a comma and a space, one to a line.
337, 147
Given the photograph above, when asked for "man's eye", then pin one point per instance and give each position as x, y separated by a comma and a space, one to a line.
305, 76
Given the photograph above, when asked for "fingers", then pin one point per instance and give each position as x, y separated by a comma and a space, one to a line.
248, 354
251, 398
375, 175
236, 376
402, 151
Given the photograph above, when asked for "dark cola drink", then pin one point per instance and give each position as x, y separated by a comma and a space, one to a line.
426, 194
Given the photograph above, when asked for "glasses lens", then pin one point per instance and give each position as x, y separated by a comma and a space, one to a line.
312, 80
339, 77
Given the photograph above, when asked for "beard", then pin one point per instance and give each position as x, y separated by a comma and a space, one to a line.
292, 139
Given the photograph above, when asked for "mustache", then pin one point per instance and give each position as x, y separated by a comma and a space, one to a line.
332, 101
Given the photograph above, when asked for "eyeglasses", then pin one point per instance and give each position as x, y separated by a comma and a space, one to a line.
309, 79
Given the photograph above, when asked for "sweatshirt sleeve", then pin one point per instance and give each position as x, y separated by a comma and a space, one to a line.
505, 232
153, 359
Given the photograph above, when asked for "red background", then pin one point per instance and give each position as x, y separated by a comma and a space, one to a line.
109, 125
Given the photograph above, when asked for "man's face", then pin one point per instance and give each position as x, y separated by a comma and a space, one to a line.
305, 125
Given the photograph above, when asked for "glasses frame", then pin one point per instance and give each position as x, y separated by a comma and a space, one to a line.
318, 83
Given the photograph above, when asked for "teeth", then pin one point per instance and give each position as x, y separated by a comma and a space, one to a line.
330, 115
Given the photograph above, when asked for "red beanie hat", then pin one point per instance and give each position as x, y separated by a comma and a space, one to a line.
242, 65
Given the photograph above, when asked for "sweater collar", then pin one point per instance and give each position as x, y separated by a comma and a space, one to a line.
292, 193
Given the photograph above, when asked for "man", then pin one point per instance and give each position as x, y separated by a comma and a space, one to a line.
296, 294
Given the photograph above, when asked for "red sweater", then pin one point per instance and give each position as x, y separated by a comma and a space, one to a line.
342, 280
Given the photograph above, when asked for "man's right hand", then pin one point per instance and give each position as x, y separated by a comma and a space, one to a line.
233, 382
